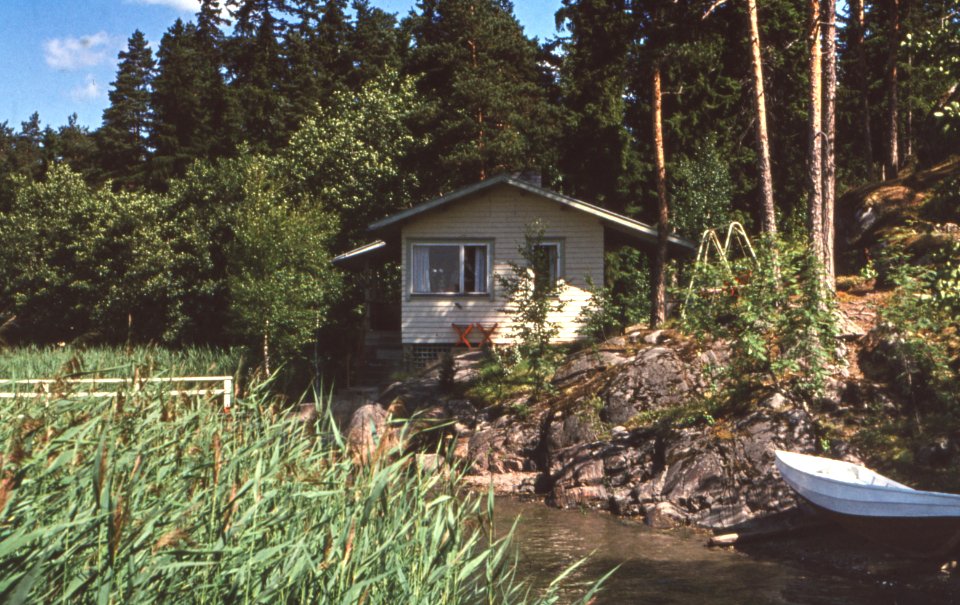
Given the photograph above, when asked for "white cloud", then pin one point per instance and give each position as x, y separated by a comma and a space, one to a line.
89, 90
76, 53
191, 7
181, 5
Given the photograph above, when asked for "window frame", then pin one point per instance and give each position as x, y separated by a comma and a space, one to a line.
462, 244
558, 243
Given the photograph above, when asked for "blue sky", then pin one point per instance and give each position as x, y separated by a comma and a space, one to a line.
59, 56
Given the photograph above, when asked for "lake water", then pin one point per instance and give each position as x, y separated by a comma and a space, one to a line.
666, 567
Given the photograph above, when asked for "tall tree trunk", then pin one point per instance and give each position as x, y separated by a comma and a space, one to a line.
829, 129
814, 149
863, 83
659, 311
908, 90
892, 163
480, 125
769, 218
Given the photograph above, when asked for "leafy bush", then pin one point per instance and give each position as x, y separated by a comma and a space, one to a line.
942, 45
533, 296
777, 315
147, 500
704, 191
946, 282
600, 318
921, 322
622, 300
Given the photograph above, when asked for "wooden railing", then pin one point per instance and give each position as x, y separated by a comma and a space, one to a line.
42, 387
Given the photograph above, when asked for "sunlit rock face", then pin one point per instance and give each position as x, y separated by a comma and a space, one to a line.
709, 476
593, 440
698, 472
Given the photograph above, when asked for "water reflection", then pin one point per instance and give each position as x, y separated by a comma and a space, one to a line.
670, 567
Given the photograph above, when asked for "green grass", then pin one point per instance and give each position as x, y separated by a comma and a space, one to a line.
144, 499
48, 362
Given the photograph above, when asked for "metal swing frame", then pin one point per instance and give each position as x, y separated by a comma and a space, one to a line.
710, 246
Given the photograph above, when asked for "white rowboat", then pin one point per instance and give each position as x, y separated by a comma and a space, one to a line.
914, 521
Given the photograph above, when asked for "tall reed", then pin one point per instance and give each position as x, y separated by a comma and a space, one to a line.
148, 499
45, 362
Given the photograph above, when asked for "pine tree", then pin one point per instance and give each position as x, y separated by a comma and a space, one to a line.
72, 144
256, 70
210, 19
829, 135
892, 159
487, 110
122, 139
814, 132
769, 220
663, 209
597, 157
317, 57
857, 66
374, 43
28, 153
193, 114
783, 25
223, 113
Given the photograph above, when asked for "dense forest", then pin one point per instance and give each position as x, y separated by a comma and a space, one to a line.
234, 161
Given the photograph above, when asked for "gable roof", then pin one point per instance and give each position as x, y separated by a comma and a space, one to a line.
617, 222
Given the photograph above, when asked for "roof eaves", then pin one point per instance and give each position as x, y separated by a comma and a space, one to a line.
625, 223
622, 223
356, 252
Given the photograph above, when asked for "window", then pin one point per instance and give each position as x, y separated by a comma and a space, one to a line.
449, 268
546, 267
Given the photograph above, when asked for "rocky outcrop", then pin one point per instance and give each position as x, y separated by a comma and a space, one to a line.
712, 476
865, 216
595, 442
368, 431
652, 372
503, 446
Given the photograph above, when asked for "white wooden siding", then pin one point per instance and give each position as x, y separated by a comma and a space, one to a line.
501, 215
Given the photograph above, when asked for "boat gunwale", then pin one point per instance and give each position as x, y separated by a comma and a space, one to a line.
935, 499
915, 522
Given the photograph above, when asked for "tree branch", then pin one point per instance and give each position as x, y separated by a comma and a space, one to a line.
717, 4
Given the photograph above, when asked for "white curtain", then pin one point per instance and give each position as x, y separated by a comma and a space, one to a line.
420, 268
480, 264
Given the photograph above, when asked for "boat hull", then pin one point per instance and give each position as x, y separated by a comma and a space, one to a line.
927, 537
915, 522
